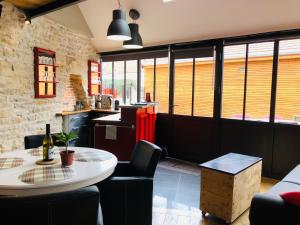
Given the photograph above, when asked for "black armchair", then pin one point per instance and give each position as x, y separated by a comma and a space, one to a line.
126, 197
73, 207
34, 141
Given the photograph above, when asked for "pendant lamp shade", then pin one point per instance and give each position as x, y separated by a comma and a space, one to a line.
118, 29
136, 42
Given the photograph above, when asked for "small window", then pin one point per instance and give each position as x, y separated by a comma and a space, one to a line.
118, 92
204, 86
147, 78
183, 85
247, 81
288, 80
259, 81
106, 77
162, 84
131, 81
233, 81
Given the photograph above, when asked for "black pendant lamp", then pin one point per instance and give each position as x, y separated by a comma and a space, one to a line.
118, 29
136, 42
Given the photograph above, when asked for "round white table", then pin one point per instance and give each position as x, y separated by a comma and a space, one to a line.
85, 173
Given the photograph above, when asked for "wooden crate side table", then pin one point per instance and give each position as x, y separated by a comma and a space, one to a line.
228, 184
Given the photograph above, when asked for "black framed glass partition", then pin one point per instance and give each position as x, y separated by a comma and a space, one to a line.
247, 81
254, 76
136, 74
288, 83
106, 77
194, 81
234, 81
118, 79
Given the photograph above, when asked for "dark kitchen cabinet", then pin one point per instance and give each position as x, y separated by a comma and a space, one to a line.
80, 124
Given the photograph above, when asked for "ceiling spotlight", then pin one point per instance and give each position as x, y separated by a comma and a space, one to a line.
27, 21
136, 42
118, 29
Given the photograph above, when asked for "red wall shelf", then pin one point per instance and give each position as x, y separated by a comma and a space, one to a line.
94, 78
44, 73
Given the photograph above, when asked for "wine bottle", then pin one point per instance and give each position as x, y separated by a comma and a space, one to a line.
48, 151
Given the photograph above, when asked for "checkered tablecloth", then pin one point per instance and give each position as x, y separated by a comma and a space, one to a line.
92, 156
46, 174
6, 163
36, 152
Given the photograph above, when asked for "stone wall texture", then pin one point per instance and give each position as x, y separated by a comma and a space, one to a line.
21, 114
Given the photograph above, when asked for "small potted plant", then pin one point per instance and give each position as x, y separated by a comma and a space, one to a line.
67, 156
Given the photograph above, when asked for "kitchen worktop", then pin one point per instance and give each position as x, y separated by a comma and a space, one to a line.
67, 113
139, 105
132, 106
118, 133
111, 118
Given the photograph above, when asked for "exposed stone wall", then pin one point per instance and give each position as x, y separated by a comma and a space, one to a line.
74, 91
20, 113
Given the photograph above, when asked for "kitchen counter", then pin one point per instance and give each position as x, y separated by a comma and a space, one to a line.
106, 110
67, 113
118, 133
110, 118
136, 106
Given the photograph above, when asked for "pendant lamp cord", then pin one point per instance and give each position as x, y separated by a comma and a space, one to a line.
119, 2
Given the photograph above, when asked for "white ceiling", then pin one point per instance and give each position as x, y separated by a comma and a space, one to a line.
189, 20
71, 17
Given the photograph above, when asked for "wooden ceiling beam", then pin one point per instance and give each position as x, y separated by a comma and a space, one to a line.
53, 6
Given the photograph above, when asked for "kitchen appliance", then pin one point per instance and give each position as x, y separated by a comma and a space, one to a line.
106, 101
92, 102
148, 98
97, 101
78, 106
117, 104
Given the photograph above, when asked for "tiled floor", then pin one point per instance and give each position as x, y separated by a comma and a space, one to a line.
177, 196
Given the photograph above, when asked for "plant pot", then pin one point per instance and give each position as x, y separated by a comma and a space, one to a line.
67, 157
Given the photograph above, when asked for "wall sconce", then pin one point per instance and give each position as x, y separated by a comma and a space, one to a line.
0, 10
27, 20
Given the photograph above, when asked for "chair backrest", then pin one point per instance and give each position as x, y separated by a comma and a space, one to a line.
145, 158
73, 207
35, 141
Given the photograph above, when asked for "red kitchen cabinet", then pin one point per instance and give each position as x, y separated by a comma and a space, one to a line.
136, 123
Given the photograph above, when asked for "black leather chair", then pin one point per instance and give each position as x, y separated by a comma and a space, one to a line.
79, 207
34, 141
126, 197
